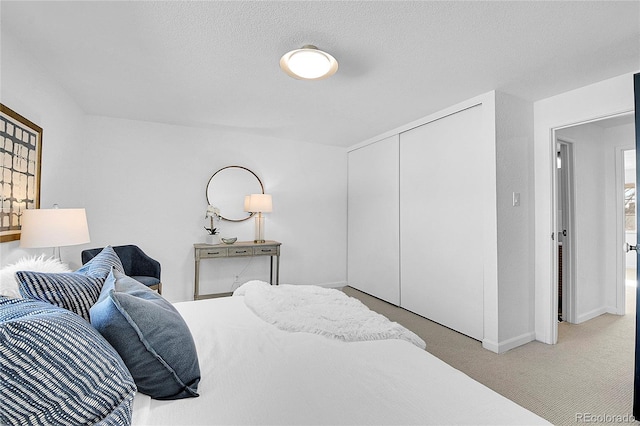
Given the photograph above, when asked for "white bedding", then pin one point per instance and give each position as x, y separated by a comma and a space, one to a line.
255, 373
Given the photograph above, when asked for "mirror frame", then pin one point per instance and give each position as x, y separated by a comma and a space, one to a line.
206, 192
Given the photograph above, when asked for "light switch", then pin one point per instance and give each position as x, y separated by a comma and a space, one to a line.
516, 199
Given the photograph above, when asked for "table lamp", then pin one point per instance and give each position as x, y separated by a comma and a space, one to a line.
53, 228
258, 203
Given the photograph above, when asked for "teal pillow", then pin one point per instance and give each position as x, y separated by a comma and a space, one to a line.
150, 335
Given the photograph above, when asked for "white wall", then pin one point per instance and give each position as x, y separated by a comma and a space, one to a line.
514, 173
148, 187
31, 92
606, 98
144, 183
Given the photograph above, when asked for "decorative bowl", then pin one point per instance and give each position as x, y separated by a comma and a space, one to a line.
229, 240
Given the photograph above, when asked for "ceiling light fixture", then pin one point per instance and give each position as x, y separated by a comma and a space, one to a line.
308, 63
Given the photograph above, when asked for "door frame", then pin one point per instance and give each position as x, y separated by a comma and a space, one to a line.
621, 238
552, 310
570, 295
636, 360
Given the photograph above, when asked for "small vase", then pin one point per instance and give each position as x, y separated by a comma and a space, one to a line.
213, 239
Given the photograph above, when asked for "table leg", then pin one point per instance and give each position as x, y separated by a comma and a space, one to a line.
196, 290
271, 271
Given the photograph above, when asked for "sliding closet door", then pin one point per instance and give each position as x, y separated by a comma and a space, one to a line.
441, 221
373, 234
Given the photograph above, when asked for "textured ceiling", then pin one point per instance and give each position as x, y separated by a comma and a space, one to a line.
215, 64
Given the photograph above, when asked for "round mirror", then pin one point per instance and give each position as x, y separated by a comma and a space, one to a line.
227, 188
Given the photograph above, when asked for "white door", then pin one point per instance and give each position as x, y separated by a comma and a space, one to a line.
441, 223
373, 224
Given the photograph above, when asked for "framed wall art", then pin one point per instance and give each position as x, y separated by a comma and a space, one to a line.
20, 159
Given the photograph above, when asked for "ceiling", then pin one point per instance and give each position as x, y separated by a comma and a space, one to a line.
215, 64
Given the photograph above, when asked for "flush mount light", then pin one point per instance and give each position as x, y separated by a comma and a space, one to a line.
308, 63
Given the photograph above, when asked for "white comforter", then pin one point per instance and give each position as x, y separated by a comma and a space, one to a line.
255, 373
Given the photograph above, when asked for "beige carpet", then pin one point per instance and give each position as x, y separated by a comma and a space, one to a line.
587, 375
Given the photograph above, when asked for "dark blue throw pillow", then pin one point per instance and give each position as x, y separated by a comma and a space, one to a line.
76, 291
69, 290
151, 337
55, 369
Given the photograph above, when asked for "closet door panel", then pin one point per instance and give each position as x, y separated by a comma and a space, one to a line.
373, 220
441, 222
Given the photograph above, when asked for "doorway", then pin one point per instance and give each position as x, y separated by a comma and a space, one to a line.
594, 195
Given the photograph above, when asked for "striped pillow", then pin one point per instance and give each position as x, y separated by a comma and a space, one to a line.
57, 369
101, 264
73, 291
76, 291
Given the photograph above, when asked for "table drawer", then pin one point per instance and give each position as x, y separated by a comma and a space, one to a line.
240, 251
265, 251
217, 252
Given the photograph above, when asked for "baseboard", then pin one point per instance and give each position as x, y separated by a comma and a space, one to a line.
591, 314
614, 310
506, 345
338, 284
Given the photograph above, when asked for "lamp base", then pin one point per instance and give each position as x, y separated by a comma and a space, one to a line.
259, 237
259, 241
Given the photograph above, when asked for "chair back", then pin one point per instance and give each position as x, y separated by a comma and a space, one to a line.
134, 260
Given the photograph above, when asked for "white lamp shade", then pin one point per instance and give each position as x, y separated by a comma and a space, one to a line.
258, 203
53, 228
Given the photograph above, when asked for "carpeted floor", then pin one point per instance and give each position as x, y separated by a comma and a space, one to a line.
588, 375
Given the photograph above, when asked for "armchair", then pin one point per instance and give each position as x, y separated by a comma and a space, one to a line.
137, 264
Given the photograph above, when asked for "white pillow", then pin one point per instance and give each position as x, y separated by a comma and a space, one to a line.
8, 282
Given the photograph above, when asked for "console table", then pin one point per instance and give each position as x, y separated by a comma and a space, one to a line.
237, 249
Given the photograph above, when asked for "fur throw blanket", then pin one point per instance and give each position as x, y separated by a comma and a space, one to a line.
325, 311
8, 284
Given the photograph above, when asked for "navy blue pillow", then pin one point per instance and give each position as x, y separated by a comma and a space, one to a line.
69, 290
150, 336
56, 369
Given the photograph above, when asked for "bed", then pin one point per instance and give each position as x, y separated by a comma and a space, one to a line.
255, 373
90, 346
